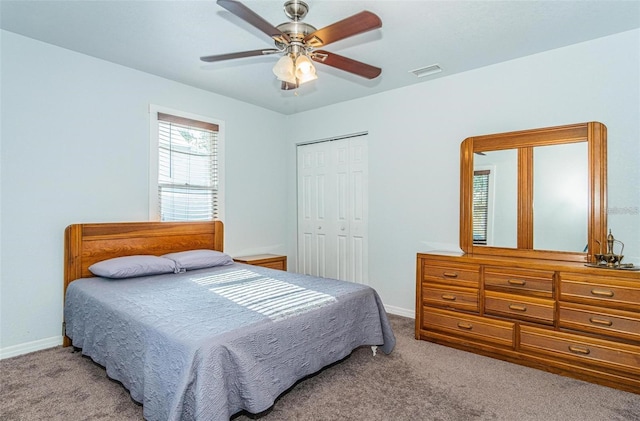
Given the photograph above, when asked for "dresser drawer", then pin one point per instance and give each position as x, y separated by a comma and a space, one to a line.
534, 309
617, 323
450, 297
468, 326
607, 292
451, 273
609, 355
536, 282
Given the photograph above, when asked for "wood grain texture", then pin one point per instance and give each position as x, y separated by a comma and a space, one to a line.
525, 198
594, 133
566, 318
597, 187
273, 261
466, 195
86, 244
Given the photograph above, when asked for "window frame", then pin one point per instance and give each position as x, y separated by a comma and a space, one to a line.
154, 205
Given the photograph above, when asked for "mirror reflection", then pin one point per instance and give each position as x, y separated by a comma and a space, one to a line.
538, 193
561, 197
495, 198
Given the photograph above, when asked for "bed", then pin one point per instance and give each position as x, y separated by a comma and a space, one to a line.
206, 343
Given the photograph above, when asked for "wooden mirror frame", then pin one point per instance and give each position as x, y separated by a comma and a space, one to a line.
594, 133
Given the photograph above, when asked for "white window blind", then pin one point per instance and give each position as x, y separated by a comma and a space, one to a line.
480, 206
188, 177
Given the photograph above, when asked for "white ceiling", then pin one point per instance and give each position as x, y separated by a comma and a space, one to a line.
167, 38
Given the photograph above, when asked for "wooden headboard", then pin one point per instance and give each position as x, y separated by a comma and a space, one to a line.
86, 244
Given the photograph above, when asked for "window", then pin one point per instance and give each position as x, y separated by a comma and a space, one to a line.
480, 206
185, 167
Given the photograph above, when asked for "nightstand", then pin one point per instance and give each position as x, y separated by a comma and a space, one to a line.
273, 261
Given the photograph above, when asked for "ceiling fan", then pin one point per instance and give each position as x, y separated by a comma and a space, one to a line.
297, 42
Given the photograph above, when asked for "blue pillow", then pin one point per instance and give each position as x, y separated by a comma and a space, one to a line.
199, 259
132, 266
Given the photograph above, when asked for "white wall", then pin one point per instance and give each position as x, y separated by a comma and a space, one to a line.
75, 136
415, 135
74, 149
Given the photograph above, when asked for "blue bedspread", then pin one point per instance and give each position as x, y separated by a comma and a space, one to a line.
206, 344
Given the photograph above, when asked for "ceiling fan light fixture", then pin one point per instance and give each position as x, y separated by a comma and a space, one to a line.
305, 71
307, 78
297, 40
284, 69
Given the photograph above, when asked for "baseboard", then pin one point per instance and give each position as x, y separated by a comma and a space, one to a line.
14, 351
399, 311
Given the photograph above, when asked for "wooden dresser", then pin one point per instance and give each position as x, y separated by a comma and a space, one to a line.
558, 316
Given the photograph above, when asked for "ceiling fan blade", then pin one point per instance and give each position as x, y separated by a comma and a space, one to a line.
248, 15
346, 64
242, 54
356, 24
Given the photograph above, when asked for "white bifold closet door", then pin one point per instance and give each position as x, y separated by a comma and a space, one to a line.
333, 209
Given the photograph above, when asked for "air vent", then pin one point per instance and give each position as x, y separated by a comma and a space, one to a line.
426, 71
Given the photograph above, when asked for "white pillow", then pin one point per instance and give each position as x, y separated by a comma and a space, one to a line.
199, 259
132, 266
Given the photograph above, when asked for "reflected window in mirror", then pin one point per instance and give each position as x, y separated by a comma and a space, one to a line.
549, 188
502, 209
480, 206
561, 197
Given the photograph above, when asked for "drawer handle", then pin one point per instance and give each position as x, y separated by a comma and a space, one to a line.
463, 325
579, 350
448, 297
602, 292
517, 307
602, 322
519, 282
450, 274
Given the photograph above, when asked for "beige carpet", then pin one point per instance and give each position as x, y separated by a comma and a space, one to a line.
418, 381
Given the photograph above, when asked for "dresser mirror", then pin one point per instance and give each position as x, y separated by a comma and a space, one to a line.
536, 193
561, 197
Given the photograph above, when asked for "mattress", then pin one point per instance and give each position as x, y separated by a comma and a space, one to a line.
206, 344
